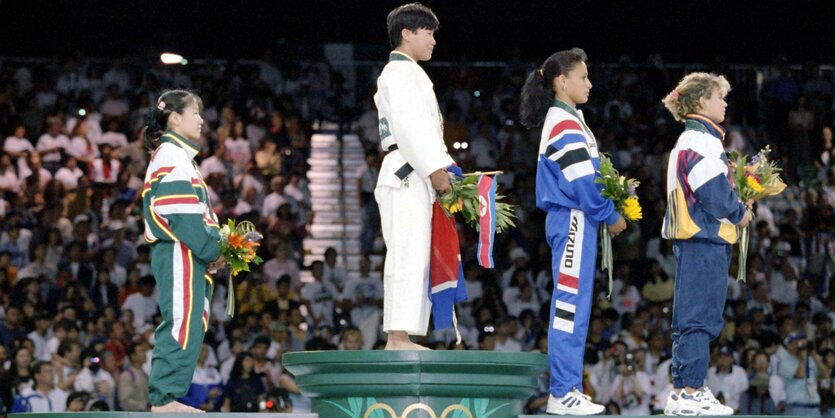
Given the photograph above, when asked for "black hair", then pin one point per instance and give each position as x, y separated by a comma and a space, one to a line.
147, 280
98, 406
65, 347
238, 366
77, 395
262, 340
538, 91
412, 16
131, 350
158, 114
37, 366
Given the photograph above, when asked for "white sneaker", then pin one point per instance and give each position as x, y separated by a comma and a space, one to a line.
715, 407
573, 403
672, 404
701, 402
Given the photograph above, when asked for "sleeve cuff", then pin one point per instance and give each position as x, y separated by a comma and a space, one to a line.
613, 218
741, 214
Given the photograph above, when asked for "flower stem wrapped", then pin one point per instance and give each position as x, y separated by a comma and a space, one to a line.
238, 245
621, 191
755, 178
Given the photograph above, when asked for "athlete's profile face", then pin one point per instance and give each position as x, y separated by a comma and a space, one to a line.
189, 123
421, 43
714, 106
575, 84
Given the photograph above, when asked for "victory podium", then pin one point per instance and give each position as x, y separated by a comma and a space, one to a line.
412, 384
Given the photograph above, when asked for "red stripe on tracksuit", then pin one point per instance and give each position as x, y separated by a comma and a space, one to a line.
562, 126
183, 334
162, 201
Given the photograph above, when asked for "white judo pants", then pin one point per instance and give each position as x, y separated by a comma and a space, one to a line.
406, 218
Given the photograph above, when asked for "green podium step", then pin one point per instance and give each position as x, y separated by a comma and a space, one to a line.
150, 415
412, 384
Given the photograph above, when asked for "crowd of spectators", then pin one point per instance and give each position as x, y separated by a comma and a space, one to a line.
77, 302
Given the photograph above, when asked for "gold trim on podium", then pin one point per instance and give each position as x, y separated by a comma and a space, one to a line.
417, 406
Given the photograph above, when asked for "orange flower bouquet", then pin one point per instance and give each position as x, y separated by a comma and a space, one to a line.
238, 245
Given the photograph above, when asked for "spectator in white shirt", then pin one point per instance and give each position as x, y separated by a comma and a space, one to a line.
69, 174
81, 146
52, 143
215, 164
631, 388
105, 169
274, 199
484, 149
238, 148
112, 136
40, 336
319, 296
363, 297
114, 106
143, 303
726, 379
280, 265
94, 379
43, 396
504, 338
335, 275
18, 145
33, 167
9, 182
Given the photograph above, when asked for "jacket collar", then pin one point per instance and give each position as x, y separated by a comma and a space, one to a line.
564, 106
399, 56
702, 123
573, 112
189, 147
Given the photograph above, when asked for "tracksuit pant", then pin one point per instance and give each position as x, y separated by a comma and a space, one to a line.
573, 241
701, 286
185, 293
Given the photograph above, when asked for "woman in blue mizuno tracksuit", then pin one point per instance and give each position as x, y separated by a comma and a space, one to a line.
565, 188
703, 212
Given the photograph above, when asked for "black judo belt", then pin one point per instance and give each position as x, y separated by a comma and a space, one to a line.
403, 171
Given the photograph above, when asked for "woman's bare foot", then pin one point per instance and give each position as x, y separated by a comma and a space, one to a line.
176, 408
399, 340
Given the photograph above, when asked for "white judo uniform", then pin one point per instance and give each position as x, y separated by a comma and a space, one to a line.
411, 130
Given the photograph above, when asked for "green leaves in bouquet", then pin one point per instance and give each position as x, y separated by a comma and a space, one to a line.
463, 197
616, 187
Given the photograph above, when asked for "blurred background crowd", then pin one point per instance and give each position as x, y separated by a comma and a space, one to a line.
77, 302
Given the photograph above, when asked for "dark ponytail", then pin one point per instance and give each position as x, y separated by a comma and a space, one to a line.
538, 91
168, 102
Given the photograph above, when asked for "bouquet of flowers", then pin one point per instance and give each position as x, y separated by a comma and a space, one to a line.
755, 178
621, 191
238, 243
463, 198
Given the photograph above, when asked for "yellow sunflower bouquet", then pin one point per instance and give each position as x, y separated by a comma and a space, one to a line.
621, 191
238, 245
755, 178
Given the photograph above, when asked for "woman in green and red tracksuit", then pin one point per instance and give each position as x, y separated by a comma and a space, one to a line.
184, 237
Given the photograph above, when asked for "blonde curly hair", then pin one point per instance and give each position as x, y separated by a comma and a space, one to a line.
685, 97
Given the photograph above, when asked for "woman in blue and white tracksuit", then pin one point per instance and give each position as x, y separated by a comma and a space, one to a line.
703, 212
565, 188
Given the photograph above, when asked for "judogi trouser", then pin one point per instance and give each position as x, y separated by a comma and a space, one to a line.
406, 217
573, 241
185, 293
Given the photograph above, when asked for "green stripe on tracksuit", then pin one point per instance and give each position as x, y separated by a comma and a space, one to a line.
184, 239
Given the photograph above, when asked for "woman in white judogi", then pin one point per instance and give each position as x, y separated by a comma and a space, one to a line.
413, 169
